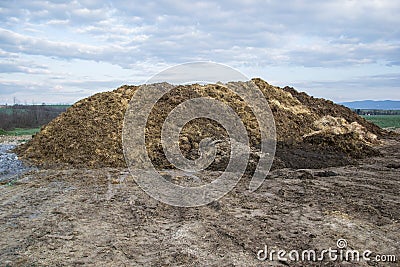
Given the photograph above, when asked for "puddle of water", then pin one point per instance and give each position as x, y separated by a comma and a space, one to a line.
10, 166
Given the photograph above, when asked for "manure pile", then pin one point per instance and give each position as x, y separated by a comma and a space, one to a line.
311, 133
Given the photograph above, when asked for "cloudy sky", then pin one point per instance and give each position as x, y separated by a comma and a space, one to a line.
58, 51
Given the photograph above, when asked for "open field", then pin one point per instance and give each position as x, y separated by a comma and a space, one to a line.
19, 131
100, 217
334, 176
384, 121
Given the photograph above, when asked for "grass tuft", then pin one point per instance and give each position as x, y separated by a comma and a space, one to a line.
19, 131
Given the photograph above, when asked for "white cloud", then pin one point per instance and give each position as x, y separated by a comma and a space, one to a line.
58, 22
12, 67
248, 34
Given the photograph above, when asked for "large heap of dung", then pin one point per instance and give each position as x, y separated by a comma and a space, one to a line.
311, 133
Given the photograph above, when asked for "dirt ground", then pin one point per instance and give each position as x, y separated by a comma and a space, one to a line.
100, 217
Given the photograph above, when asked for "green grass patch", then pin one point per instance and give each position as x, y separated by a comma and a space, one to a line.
7, 111
384, 121
19, 131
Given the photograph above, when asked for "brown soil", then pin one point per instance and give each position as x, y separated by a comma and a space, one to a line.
311, 133
100, 217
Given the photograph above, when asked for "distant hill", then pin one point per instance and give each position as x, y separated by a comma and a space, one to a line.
372, 104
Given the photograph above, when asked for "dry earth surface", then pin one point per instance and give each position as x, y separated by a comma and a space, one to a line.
100, 217
335, 176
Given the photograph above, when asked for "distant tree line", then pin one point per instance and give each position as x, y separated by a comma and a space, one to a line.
376, 112
28, 116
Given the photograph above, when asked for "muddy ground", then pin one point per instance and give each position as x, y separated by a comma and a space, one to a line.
10, 167
100, 217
